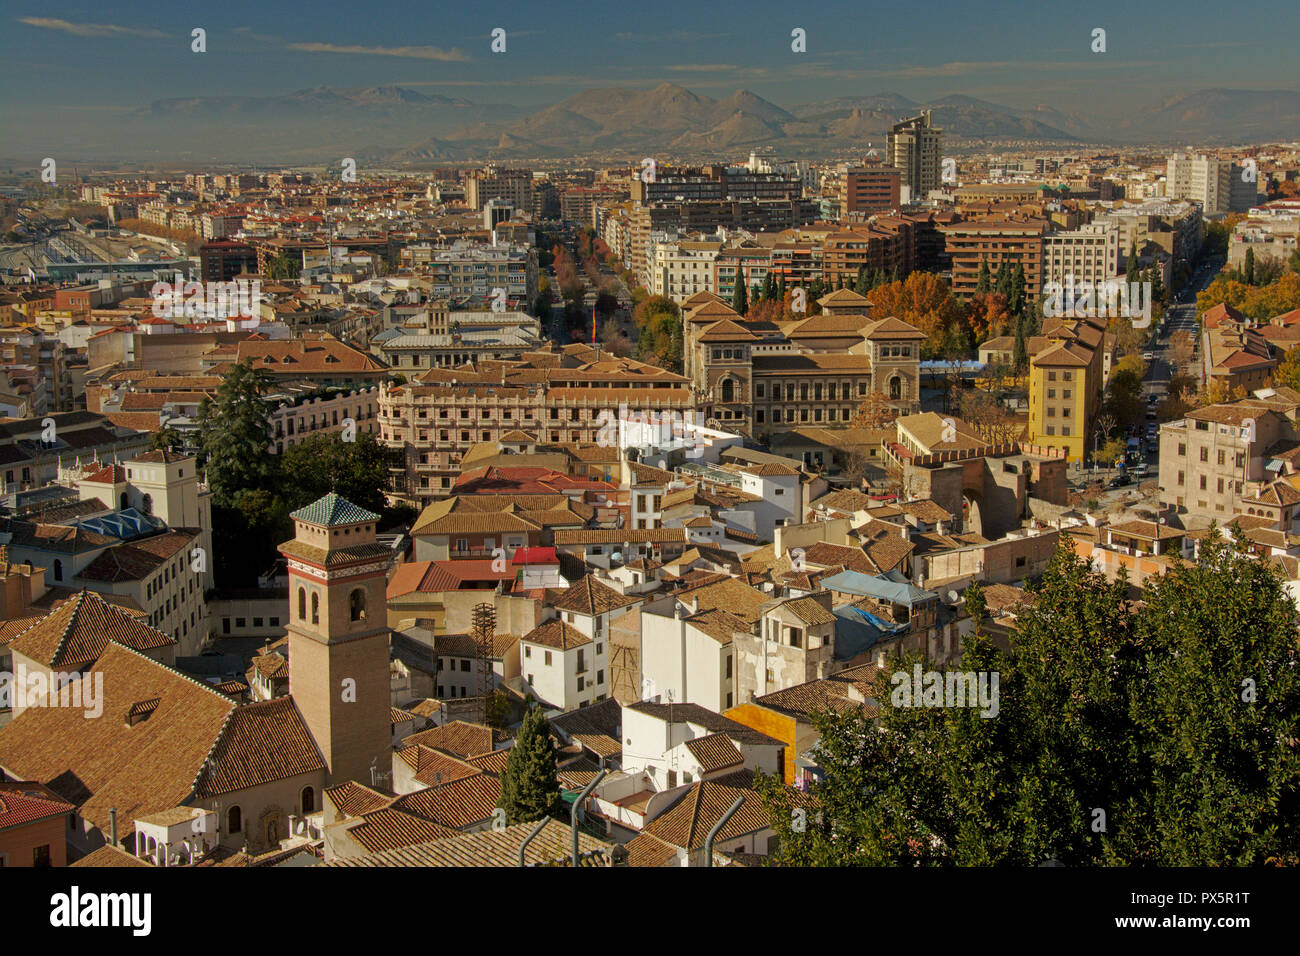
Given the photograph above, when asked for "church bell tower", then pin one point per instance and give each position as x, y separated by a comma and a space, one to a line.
338, 638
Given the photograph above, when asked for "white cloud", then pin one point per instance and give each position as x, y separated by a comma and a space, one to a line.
412, 52
89, 29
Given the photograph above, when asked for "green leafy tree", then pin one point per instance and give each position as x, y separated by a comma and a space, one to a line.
530, 788
235, 433
357, 470
863, 285
1288, 370
739, 301
1017, 300
1157, 736
1019, 348
498, 709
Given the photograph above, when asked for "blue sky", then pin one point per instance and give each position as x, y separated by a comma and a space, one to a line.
87, 58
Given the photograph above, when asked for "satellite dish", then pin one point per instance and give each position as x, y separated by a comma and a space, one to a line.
617, 556
953, 597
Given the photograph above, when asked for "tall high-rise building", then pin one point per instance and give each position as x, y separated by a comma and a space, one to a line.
915, 148
1219, 185
338, 637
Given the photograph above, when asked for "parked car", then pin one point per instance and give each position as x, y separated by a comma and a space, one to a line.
1120, 480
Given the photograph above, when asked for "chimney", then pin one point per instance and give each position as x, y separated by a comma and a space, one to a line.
112, 826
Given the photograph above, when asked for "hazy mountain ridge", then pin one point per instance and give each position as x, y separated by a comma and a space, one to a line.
394, 124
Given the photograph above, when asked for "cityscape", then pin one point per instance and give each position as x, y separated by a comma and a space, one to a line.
468, 439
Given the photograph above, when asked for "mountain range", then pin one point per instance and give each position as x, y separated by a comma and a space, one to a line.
392, 125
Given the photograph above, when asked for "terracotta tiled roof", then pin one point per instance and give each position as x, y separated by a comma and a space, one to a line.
388, 828
497, 848
262, 742
714, 752
353, 799
555, 633
688, 822
79, 630
101, 763
589, 596
809, 611
460, 803
458, 737
24, 803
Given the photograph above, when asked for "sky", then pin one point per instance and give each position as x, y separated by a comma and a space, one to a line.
82, 62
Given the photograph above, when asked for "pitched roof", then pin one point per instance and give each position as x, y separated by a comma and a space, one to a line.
714, 752
589, 596
150, 765
458, 737
333, 510
262, 742
79, 630
498, 848
24, 803
555, 633
689, 821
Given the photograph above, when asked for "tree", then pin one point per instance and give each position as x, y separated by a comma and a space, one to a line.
1250, 266
1293, 262
1132, 276
874, 412
530, 788
739, 301
863, 285
768, 292
1020, 348
1174, 719
1288, 370
498, 709
1111, 452
982, 284
1016, 301
1002, 284
357, 470
1181, 349
924, 301
988, 315
989, 418
167, 439
235, 433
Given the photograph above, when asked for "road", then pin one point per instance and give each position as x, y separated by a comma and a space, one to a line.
1179, 317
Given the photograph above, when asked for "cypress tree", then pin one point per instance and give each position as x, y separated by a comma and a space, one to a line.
769, 287
1002, 285
863, 285
1017, 299
984, 281
530, 788
1250, 266
739, 301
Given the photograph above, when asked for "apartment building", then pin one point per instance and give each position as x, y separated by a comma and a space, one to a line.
868, 189
1217, 184
680, 269
513, 186
1090, 254
915, 148
746, 261
1234, 352
1066, 376
1215, 458
716, 183
1176, 226
1271, 232
551, 396
995, 241
468, 270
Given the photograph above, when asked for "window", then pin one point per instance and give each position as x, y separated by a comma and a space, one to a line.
464, 666
234, 821
315, 608
547, 659
600, 677
302, 604
225, 625
1205, 454
41, 855
1202, 482
275, 622
58, 570
528, 651
240, 622
308, 800
357, 604
1221, 456
1180, 477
